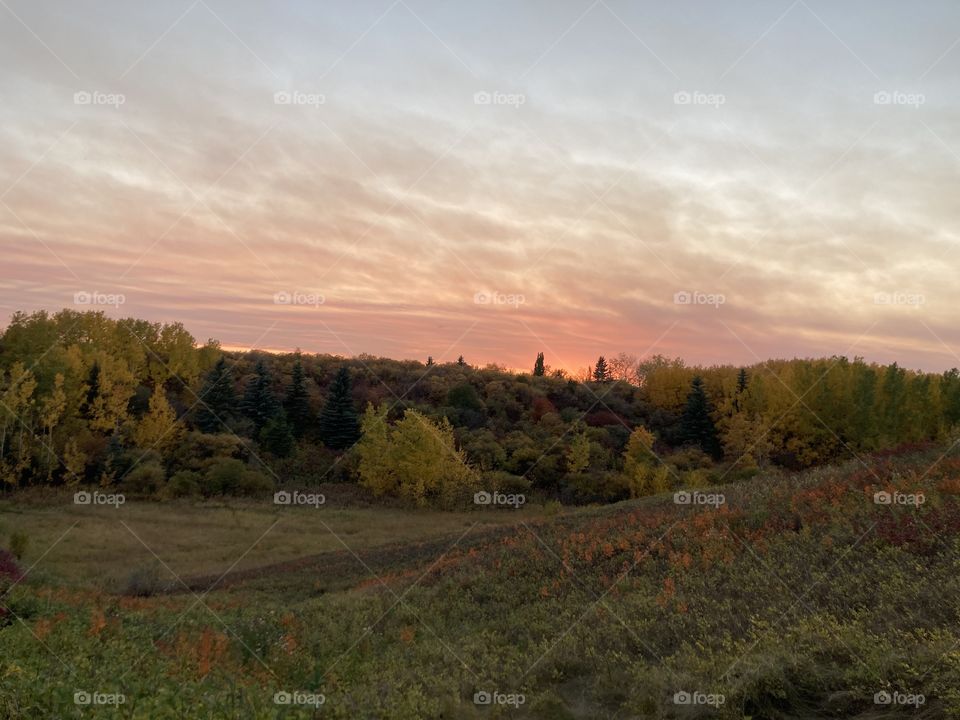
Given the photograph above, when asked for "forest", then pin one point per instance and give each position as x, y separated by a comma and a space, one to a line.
143, 408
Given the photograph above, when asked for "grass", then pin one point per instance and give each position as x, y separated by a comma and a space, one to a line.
799, 597
100, 546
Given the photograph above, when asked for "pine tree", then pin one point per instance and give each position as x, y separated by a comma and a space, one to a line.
460, 361
259, 403
339, 428
538, 368
277, 435
600, 372
93, 390
430, 361
696, 422
218, 401
742, 382
297, 403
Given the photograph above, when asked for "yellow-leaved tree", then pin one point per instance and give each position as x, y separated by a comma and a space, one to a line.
646, 475
415, 459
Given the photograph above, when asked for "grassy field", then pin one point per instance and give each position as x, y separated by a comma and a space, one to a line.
100, 547
795, 597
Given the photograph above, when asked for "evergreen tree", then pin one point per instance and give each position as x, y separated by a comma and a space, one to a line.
277, 435
430, 361
460, 361
600, 372
339, 428
218, 402
696, 422
742, 382
93, 390
538, 368
259, 403
297, 403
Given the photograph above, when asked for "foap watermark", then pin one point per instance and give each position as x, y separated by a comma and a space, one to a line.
85, 497
682, 297
898, 498
695, 497
896, 97
698, 698
84, 698
514, 700
899, 297
95, 97
695, 97
498, 298
299, 697
82, 297
514, 500
887, 697
495, 97
284, 497
298, 298
296, 97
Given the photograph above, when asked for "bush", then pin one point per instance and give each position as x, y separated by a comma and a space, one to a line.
183, 483
229, 476
505, 482
145, 479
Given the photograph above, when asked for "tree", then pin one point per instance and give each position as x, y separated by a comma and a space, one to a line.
297, 402
646, 475
158, 426
741, 389
338, 419
414, 459
538, 367
578, 454
430, 362
461, 362
696, 422
259, 403
600, 372
217, 400
277, 435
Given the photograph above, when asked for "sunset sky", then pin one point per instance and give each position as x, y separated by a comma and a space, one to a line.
491, 179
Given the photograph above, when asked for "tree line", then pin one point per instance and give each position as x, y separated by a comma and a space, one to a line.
89, 399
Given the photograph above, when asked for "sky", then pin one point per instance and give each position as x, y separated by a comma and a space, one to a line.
726, 182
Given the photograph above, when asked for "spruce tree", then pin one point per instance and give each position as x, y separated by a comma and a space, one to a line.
297, 402
696, 422
538, 368
741, 388
600, 372
460, 361
218, 401
259, 403
339, 428
277, 435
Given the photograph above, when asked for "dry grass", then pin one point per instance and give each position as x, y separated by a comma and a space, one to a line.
102, 546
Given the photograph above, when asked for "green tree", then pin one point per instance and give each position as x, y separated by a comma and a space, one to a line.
259, 403
338, 419
277, 435
696, 422
538, 366
217, 400
297, 402
600, 371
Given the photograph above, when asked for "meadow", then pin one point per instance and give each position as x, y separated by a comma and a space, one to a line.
829, 593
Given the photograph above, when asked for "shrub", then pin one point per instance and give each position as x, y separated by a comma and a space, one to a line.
145, 479
9, 570
229, 476
183, 483
505, 482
